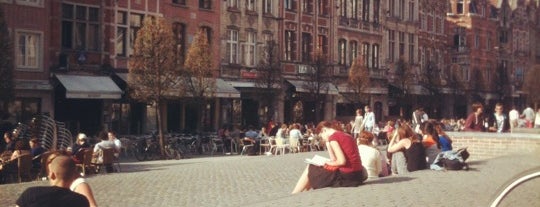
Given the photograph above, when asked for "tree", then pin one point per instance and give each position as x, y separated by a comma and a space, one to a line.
405, 78
501, 80
318, 81
269, 78
531, 85
152, 68
197, 74
358, 80
6, 66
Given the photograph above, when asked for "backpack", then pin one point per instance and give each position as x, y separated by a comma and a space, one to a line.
451, 160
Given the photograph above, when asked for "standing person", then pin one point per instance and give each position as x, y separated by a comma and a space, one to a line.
61, 173
513, 115
537, 119
498, 122
475, 120
357, 124
528, 114
418, 117
344, 169
369, 119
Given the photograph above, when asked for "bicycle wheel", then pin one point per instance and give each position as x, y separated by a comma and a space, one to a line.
139, 153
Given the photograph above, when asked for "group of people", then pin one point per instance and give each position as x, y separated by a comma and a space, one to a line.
15, 148
498, 121
354, 158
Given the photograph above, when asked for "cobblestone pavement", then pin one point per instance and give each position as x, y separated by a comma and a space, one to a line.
268, 180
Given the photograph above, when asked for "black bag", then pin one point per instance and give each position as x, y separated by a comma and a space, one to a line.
453, 160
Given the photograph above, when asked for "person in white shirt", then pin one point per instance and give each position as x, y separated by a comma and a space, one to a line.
117, 143
357, 124
528, 114
369, 119
513, 115
370, 156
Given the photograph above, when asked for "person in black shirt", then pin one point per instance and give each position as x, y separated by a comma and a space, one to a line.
61, 173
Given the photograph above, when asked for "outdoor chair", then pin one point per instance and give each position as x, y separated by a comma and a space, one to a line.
103, 158
20, 169
86, 162
246, 145
280, 145
217, 144
265, 143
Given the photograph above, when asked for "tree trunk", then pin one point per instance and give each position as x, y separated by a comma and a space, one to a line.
160, 129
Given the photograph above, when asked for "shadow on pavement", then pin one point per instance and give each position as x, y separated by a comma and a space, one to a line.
389, 180
477, 162
144, 167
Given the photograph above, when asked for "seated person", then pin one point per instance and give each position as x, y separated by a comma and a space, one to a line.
370, 156
430, 140
36, 151
10, 165
79, 147
444, 139
252, 136
61, 173
10, 146
344, 169
407, 151
117, 143
105, 143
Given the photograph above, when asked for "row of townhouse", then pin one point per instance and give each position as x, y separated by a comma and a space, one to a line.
71, 58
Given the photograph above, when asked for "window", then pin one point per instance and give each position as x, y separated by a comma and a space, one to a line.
342, 4
375, 55
472, 8
465, 73
411, 48
391, 9
121, 34
376, 9
179, 31
233, 4
135, 24
391, 45
80, 27
411, 11
459, 6
232, 46
365, 54
354, 10
353, 51
28, 49
401, 43
307, 6
250, 5
290, 5
323, 7
24, 109
519, 75
267, 6
323, 44
365, 10
30, 2
249, 51
205, 4
401, 9
307, 45
290, 45
488, 42
476, 41
181, 2
208, 32
342, 48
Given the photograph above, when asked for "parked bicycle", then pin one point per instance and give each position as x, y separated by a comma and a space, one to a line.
147, 149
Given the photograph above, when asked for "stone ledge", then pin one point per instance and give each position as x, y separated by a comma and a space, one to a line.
483, 145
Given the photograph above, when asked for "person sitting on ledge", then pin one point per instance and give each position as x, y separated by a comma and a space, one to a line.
344, 169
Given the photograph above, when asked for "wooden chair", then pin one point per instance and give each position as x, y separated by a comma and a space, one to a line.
103, 158
86, 162
20, 169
